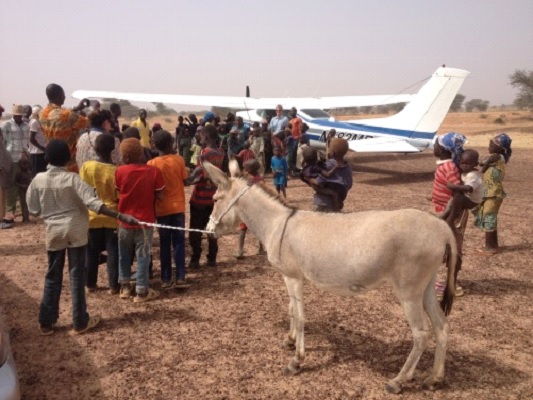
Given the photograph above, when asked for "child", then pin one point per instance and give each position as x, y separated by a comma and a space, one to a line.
196, 148
171, 209
138, 185
467, 195
493, 169
312, 168
252, 168
100, 174
23, 179
279, 169
258, 146
302, 144
246, 154
336, 175
202, 203
448, 149
66, 221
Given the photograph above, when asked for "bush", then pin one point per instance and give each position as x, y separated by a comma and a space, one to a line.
499, 121
483, 116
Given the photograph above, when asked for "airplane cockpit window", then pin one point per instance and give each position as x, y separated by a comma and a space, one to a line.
315, 113
264, 113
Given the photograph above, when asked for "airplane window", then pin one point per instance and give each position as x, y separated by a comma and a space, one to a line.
316, 113
271, 113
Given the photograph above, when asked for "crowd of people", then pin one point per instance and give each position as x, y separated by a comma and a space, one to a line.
97, 184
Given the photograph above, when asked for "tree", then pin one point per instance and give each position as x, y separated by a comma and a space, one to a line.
457, 102
162, 109
478, 104
523, 81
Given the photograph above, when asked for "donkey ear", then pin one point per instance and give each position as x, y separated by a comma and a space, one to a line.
234, 169
218, 177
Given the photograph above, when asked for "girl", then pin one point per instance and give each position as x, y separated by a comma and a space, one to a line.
279, 169
448, 148
252, 168
493, 169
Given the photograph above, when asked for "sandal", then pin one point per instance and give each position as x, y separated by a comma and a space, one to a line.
151, 295
93, 321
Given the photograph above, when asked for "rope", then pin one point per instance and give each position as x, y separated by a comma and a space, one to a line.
176, 228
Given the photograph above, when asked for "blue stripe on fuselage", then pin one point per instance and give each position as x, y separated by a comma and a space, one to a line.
340, 126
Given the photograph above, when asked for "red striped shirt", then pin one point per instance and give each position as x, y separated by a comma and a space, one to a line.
204, 190
446, 172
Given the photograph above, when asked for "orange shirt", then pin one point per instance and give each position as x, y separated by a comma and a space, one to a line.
63, 124
172, 167
296, 123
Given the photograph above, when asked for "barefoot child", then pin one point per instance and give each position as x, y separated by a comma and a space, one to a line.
62, 198
252, 168
493, 169
279, 169
448, 149
468, 194
138, 185
100, 174
171, 209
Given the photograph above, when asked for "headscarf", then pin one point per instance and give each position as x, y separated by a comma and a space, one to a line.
453, 142
503, 141
209, 116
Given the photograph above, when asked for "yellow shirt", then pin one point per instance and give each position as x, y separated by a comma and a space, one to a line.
144, 131
172, 167
101, 176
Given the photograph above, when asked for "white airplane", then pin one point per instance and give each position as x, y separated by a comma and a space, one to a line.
411, 130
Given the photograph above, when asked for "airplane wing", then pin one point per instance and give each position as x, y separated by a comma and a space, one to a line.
248, 103
382, 145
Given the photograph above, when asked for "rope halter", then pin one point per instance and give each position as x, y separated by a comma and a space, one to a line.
216, 221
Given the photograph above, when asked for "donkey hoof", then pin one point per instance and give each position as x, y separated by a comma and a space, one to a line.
292, 369
288, 344
393, 387
430, 384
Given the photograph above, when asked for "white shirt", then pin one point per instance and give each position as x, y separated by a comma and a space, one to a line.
35, 126
474, 179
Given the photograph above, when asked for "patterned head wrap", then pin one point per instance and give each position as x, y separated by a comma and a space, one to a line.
453, 142
503, 141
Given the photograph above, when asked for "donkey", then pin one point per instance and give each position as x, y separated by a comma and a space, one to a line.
357, 252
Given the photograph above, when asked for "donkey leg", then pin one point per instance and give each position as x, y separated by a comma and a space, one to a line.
441, 329
416, 317
295, 289
290, 339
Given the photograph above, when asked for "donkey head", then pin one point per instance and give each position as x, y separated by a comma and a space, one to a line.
224, 218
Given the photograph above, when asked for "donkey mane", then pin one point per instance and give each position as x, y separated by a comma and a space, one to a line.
271, 193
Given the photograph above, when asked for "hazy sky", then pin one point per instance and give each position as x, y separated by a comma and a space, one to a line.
279, 48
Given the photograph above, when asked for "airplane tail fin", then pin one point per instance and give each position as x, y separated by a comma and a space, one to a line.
430, 105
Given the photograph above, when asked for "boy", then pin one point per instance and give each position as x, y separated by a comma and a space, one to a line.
202, 203
336, 175
100, 174
469, 194
138, 185
171, 209
62, 198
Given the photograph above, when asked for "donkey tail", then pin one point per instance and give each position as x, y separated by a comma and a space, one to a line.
450, 255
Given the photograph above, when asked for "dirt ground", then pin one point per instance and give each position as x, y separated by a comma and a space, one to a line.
221, 338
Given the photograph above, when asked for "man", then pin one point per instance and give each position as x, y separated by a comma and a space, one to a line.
292, 144
279, 122
37, 143
5, 177
243, 130
16, 135
63, 124
144, 128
